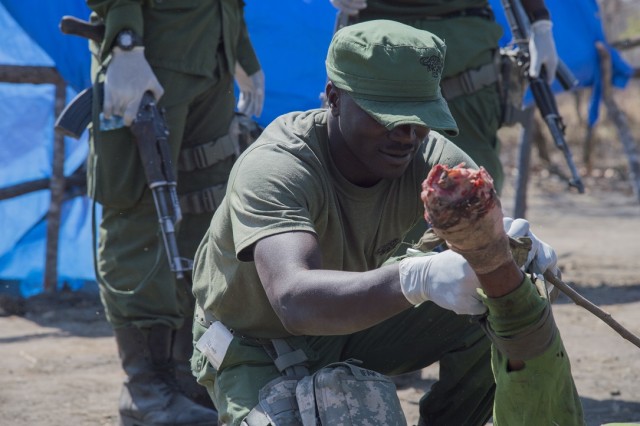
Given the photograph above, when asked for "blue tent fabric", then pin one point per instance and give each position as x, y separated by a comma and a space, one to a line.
40, 20
291, 40
25, 155
290, 37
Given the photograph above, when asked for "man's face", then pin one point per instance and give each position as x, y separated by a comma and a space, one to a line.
365, 151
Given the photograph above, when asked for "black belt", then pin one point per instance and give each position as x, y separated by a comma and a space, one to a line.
480, 12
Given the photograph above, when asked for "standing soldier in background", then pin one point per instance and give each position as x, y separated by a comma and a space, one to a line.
186, 54
470, 76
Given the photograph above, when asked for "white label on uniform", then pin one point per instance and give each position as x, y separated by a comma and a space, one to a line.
214, 343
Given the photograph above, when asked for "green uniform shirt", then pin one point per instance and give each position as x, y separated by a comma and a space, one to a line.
286, 181
182, 35
470, 41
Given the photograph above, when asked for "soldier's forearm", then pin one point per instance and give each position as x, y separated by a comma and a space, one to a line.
501, 281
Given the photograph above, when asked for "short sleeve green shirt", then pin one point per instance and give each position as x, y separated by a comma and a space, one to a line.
286, 181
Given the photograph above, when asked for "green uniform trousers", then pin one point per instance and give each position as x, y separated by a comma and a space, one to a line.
136, 285
541, 394
407, 342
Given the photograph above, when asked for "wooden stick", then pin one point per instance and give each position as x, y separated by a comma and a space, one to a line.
579, 300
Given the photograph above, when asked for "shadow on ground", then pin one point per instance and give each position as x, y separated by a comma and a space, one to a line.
72, 313
604, 294
609, 411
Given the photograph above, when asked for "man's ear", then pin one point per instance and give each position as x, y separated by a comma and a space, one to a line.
333, 98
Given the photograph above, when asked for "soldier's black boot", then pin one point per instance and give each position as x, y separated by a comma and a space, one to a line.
182, 352
150, 394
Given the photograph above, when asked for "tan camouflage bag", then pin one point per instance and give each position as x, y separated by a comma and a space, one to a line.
344, 394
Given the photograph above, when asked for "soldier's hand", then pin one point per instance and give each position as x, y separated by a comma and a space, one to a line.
128, 77
350, 7
445, 278
542, 50
541, 257
251, 87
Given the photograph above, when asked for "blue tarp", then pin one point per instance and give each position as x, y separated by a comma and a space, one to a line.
290, 36
40, 21
27, 112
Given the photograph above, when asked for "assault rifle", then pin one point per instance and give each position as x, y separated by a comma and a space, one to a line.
542, 94
150, 133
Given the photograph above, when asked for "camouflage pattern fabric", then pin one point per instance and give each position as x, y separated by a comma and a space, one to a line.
345, 394
277, 400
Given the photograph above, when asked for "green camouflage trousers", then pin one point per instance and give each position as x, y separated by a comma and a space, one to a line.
542, 393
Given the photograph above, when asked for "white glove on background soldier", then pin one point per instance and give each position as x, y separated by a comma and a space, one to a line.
445, 278
350, 7
128, 77
251, 91
542, 50
541, 257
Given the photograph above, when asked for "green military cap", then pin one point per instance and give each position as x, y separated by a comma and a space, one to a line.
392, 71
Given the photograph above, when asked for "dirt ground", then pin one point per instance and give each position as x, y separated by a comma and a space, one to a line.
60, 366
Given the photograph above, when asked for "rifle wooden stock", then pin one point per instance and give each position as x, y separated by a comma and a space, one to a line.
75, 26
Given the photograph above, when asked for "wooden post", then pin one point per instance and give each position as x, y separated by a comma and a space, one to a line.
57, 194
627, 43
524, 162
47, 75
619, 119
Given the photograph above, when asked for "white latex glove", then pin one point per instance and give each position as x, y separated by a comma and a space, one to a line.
445, 278
542, 50
350, 7
541, 257
251, 91
128, 77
